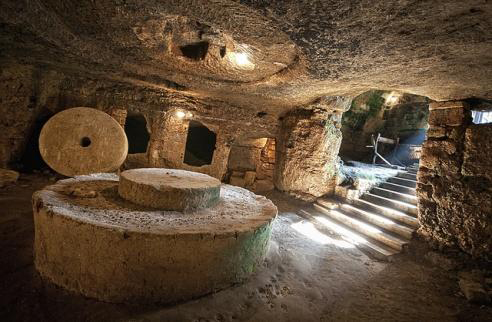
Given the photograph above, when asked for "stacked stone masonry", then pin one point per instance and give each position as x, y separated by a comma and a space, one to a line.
252, 163
455, 182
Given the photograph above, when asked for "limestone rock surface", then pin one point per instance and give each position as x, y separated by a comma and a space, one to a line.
297, 51
8, 177
308, 148
454, 182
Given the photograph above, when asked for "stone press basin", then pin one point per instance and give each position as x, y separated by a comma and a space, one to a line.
91, 240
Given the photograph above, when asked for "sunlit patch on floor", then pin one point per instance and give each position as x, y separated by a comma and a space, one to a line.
307, 229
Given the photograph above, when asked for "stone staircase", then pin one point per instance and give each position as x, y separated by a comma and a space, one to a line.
380, 222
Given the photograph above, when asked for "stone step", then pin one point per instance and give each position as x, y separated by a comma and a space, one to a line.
411, 199
379, 220
403, 182
407, 175
327, 225
387, 202
398, 188
363, 228
394, 214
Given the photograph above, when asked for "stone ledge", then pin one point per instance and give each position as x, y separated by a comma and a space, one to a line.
446, 105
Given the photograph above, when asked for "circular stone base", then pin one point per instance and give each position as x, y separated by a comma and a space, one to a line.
90, 240
169, 189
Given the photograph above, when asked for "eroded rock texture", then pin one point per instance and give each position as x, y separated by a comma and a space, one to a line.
243, 69
30, 96
307, 151
454, 189
299, 50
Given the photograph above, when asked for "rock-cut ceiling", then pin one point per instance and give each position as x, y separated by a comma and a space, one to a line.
258, 52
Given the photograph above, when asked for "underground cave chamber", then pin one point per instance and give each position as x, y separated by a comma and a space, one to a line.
245, 160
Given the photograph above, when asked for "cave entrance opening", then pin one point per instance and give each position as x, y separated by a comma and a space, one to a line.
200, 145
137, 133
481, 117
400, 119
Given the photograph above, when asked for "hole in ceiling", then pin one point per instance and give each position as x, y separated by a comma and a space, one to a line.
200, 145
195, 51
85, 142
223, 52
261, 114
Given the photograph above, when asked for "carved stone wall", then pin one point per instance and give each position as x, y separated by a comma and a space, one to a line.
30, 92
455, 180
168, 143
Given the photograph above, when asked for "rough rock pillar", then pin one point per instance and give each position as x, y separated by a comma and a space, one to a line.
307, 148
455, 178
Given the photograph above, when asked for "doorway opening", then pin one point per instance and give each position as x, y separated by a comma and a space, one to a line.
400, 120
137, 134
31, 159
200, 145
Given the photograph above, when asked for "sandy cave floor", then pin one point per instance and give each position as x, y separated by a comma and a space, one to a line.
301, 280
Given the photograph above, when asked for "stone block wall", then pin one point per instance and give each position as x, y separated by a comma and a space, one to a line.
455, 181
119, 114
252, 163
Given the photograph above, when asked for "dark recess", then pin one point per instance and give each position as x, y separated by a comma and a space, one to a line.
222, 52
136, 132
200, 145
195, 51
32, 159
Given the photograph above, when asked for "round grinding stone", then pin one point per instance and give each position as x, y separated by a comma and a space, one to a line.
169, 189
83, 140
91, 241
